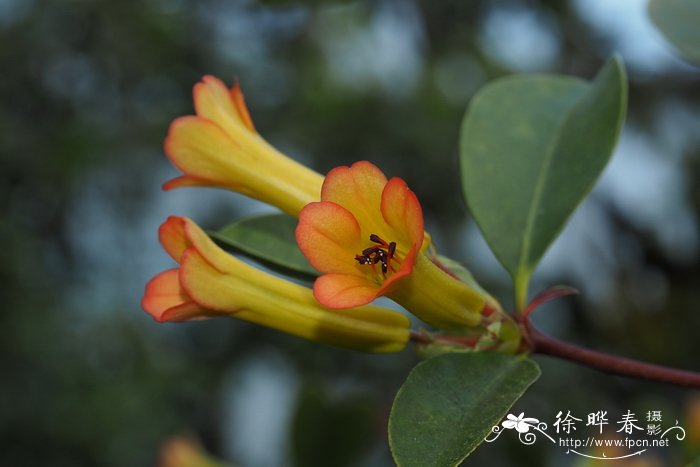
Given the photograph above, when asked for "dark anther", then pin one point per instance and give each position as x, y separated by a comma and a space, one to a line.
377, 254
363, 259
370, 250
392, 249
376, 239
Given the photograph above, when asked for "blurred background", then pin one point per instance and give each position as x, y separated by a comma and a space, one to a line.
87, 90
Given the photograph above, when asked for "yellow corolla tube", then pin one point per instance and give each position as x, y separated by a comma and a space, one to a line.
220, 147
210, 283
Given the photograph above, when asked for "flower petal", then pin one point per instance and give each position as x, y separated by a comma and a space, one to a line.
204, 152
402, 211
213, 101
239, 102
166, 300
404, 270
210, 251
184, 181
358, 189
177, 234
340, 291
207, 286
189, 311
329, 237
171, 234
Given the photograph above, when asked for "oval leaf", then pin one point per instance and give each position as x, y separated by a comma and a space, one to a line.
532, 148
679, 22
269, 238
449, 403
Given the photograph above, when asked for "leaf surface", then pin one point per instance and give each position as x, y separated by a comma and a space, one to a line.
269, 238
449, 403
532, 147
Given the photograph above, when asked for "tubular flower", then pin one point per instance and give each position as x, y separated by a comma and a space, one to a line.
366, 235
220, 147
210, 282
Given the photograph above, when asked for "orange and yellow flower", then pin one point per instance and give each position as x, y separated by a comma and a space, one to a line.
209, 282
220, 147
366, 236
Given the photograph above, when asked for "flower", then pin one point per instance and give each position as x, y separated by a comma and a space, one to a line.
220, 147
520, 423
210, 282
185, 451
366, 237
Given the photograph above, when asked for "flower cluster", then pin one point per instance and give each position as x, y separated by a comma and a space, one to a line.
363, 233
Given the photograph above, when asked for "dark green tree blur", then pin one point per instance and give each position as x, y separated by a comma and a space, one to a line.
87, 90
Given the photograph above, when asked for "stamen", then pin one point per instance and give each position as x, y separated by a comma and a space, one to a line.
362, 259
383, 253
377, 239
370, 250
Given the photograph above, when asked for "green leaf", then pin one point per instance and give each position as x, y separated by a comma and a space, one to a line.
449, 403
532, 148
679, 22
270, 239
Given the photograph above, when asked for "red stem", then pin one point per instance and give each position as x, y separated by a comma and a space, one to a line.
419, 337
536, 342
546, 345
547, 295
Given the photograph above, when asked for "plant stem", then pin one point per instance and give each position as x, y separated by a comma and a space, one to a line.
521, 283
546, 345
419, 337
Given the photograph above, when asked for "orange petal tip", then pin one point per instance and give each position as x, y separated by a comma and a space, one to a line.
172, 237
340, 291
328, 235
163, 292
241, 107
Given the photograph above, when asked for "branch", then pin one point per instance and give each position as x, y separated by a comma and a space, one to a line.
536, 342
546, 345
